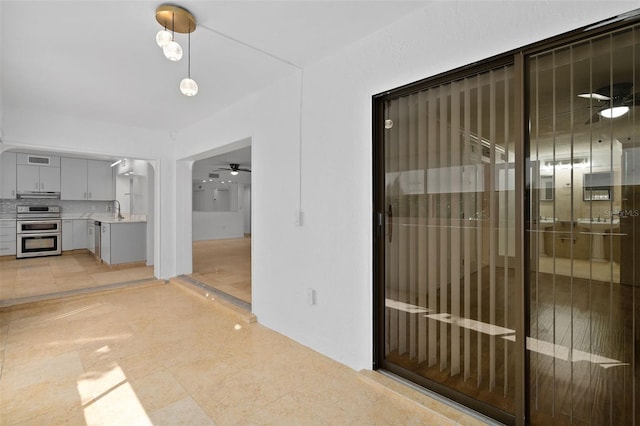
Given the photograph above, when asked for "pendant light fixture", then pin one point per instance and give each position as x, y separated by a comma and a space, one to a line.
189, 87
163, 37
174, 19
172, 50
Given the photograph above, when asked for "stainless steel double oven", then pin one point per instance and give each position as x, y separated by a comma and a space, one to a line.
38, 231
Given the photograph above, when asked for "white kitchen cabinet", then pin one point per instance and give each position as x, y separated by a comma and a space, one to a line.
124, 242
28, 178
7, 237
37, 173
79, 234
8, 175
50, 179
84, 179
73, 179
37, 178
74, 234
100, 182
67, 234
105, 243
91, 242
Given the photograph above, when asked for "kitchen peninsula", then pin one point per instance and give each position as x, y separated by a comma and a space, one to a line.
114, 241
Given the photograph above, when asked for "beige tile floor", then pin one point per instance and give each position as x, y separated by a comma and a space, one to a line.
224, 265
40, 276
159, 354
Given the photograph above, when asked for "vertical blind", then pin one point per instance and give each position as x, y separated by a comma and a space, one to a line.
449, 243
584, 244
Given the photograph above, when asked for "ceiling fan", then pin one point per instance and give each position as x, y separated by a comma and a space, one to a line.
616, 100
235, 168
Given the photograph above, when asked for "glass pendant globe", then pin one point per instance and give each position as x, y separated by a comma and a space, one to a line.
188, 87
172, 51
614, 112
163, 38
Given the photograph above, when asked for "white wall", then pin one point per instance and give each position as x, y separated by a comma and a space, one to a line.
217, 225
331, 252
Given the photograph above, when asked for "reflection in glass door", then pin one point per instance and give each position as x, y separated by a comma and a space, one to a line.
449, 201
584, 248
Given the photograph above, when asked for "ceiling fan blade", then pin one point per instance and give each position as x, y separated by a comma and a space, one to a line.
596, 96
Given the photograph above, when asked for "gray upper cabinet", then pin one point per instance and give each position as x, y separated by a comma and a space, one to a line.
84, 179
73, 179
8, 175
37, 173
100, 182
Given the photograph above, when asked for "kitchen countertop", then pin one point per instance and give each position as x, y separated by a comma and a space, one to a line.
102, 217
107, 217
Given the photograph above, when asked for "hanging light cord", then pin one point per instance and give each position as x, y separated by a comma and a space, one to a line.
189, 58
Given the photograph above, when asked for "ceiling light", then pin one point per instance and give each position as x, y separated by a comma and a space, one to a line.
189, 87
163, 37
174, 19
614, 112
172, 51
234, 172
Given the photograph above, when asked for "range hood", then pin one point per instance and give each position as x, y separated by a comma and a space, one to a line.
38, 194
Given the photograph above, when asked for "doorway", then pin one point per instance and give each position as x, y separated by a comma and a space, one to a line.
506, 232
221, 223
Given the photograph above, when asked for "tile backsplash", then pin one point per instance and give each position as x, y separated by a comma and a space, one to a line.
8, 206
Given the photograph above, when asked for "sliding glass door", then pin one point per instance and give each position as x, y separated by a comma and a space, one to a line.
449, 244
584, 244
507, 231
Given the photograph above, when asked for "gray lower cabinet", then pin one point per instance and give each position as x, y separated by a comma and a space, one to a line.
74, 234
91, 241
67, 234
79, 234
7, 237
123, 242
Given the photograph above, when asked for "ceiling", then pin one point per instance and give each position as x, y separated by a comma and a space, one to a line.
242, 157
217, 164
98, 60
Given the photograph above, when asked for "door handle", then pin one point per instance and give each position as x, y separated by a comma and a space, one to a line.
390, 216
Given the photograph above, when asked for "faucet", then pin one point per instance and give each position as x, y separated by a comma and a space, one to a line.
120, 217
